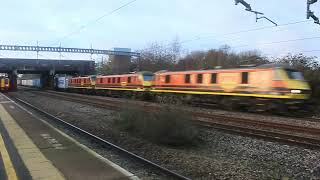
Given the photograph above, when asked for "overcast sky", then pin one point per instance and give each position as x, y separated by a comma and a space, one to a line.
205, 22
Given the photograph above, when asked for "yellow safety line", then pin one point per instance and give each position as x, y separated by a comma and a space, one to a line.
101, 88
10, 171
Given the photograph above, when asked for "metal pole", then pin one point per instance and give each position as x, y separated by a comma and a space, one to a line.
308, 9
60, 50
37, 49
91, 52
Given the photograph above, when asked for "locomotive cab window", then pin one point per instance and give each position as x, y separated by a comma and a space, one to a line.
129, 79
167, 80
214, 78
92, 78
245, 77
295, 75
147, 77
187, 78
199, 78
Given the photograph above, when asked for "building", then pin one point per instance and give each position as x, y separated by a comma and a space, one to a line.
120, 64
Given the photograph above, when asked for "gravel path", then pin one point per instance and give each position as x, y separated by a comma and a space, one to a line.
218, 155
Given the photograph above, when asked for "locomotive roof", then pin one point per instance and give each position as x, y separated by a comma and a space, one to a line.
264, 66
129, 74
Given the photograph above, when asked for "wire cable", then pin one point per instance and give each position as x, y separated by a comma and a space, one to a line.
279, 42
95, 21
168, 46
245, 31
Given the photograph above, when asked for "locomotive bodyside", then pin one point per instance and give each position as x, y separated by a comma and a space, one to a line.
263, 82
80, 82
119, 82
130, 82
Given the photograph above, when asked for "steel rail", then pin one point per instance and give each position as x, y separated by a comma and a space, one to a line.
220, 118
272, 136
251, 122
102, 141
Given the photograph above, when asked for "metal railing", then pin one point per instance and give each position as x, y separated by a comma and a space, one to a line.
65, 50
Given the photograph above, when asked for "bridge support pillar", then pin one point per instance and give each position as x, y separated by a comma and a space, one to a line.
13, 80
47, 81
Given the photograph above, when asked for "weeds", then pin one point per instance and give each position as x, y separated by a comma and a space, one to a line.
167, 126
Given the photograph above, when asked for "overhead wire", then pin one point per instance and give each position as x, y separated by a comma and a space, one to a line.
95, 21
287, 53
245, 31
237, 32
278, 42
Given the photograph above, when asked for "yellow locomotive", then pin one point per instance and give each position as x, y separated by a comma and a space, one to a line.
4, 83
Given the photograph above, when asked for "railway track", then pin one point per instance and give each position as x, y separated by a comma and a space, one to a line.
101, 141
307, 142
287, 133
309, 117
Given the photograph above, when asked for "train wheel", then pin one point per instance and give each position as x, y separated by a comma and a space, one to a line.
228, 104
259, 106
281, 109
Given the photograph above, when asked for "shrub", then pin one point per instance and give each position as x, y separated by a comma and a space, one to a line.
167, 126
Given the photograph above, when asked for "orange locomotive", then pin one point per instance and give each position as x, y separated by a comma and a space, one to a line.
130, 82
252, 85
263, 81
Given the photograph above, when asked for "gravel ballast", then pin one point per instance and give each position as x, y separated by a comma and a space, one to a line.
218, 156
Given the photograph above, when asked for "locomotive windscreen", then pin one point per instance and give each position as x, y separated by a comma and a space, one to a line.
293, 74
148, 77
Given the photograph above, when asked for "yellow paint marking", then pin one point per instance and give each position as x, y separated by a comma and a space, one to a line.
120, 89
10, 171
38, 166
286, 96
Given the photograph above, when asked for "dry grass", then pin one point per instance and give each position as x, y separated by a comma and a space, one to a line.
168, 126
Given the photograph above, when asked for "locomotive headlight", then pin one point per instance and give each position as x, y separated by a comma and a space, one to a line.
295, 91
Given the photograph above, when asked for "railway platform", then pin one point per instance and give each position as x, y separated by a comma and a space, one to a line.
31, 148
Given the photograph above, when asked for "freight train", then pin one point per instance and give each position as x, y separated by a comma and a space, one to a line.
30, 82
263, 88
